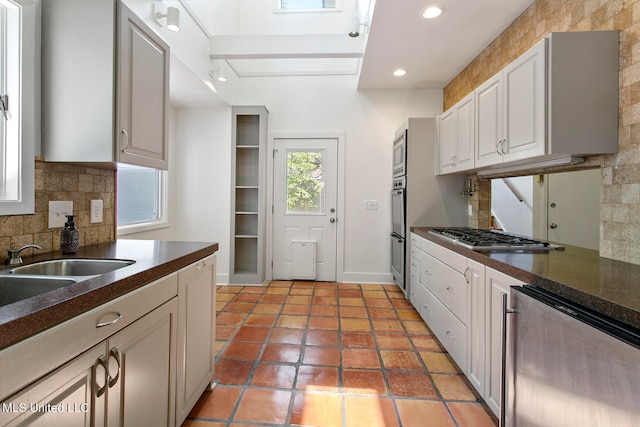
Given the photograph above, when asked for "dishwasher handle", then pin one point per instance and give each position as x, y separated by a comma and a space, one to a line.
503, 361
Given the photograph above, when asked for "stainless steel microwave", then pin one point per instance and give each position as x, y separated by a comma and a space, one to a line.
400, 155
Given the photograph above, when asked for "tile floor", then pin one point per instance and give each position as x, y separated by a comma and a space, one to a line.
327, 354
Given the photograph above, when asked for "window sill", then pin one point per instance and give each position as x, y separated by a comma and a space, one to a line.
139, 228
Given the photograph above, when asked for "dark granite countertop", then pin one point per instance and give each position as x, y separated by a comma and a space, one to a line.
609, 287
154, 259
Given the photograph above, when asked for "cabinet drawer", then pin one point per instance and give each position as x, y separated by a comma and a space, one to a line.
450, 331
28, 360
451, 288
415, 240
452, 259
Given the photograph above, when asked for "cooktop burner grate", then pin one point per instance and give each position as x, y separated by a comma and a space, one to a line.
479, 239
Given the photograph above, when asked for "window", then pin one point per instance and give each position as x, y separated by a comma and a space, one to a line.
299, 5
17, 105
305, 182
141, 198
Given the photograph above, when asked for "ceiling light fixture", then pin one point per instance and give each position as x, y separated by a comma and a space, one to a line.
219, 73
432, 12
399, 72
172, 15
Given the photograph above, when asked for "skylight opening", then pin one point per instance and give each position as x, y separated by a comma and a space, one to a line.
307, 5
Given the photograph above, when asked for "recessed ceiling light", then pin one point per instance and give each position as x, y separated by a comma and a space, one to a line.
399, 72
432, 12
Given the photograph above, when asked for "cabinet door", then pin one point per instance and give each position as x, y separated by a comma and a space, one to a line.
66, 397
524, 105
489, 122
497, 284
142, 370
196, 333
476, 325
465, 133
143, 94
447, 141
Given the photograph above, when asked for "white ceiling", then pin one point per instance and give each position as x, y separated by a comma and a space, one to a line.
254, 41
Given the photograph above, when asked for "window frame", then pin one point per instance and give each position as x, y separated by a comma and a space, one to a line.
163, 211
278, 9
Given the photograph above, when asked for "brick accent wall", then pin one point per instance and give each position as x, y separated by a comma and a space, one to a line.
620, 185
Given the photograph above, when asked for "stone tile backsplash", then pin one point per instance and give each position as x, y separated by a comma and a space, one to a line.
58, 181
620, 185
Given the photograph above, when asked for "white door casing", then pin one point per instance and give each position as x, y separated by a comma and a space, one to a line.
305, 205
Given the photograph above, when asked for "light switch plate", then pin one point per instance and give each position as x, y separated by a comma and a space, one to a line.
371, 205
58, 211
96, 211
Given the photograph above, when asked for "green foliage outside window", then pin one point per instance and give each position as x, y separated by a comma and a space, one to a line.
304, 181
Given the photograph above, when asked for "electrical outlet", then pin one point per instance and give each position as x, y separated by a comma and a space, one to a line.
371, 205
58, 211
96, 211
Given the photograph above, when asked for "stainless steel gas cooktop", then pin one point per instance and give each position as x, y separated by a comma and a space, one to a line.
491, 240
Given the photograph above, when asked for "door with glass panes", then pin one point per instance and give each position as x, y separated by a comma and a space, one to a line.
305, 208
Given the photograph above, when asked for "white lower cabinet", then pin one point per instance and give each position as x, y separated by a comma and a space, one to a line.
196, 333
477, 328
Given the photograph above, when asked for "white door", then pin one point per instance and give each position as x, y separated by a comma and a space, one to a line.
305, 179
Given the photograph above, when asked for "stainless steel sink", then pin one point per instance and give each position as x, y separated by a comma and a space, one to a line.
71, 267
16, 288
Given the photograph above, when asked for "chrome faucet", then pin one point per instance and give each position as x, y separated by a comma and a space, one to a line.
14, 254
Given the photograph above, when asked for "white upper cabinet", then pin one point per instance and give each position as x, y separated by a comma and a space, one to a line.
457, 137
557, 100
105, 89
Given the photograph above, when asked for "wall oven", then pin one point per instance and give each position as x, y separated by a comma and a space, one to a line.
400, 155
398, 230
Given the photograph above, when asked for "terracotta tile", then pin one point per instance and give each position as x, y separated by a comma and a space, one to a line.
394, 341
471, 415
303, 284
391, 288
326, 285
416, 327
438, 362
382, 313
374, 294
216, 404
349, 293
267, 308
396, 295
289, 321
281, 283
323, 323
326, 293
357, 339
351, 324
242, 350
281, 353
247, 298
301, 310
382, 325
274, 376
370, 412
273, 298
297, 299
322, 300
305, 291
220, 305
411, 384
239, 307
230, 289
426, 342
415, 412
409, 315
218, 346
233, 372
252, 333
324, 310
352, 302
230, 318
324, 356
254, 290
277, 290
286, 336
260, 319
353, 286
360, 381
196, 423
322, 338
402, 360
224, 332
402, 304
453, 387
359, 312
317, 378
264, 406
225, 297
314, 409
380, 303
360, 358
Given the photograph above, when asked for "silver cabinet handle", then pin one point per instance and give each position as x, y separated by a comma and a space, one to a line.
110, 322
116, 355
100, 389
124, 132
553, 225
200, 265
502, 146
466, 278
498, 147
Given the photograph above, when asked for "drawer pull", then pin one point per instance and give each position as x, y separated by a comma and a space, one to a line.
450, 336
110, 322
100, 389
451, 290
116, 355
468, 280
200, 265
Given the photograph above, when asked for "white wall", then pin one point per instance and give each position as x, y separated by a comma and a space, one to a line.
513, 216
369, 120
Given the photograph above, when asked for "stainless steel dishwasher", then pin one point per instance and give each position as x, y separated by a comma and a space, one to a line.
570, 366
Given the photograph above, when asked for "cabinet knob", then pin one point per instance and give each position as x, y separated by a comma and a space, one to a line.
553, 225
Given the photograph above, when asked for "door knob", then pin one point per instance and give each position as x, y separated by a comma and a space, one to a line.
553, 225
332, 220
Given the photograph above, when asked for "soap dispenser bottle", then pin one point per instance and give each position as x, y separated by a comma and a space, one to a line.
69, 237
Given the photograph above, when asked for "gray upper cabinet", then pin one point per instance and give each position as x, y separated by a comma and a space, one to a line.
105, 87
